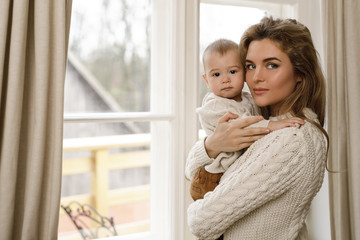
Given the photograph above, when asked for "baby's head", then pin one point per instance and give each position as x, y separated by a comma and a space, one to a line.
223, 71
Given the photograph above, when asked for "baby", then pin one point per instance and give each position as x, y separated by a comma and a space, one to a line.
224, 76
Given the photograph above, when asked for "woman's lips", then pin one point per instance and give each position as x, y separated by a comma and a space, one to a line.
260, 91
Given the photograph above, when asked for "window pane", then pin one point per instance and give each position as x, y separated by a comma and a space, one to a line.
107, 167
226, 21
223, 21
109, 56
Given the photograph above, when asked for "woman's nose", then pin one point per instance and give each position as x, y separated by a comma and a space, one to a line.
258, 75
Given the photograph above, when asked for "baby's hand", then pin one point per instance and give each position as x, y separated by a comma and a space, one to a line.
289, 122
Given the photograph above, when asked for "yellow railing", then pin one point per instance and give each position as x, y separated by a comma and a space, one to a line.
100, 163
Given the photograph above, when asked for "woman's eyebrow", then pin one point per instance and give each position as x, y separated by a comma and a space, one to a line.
265, 60
271, 59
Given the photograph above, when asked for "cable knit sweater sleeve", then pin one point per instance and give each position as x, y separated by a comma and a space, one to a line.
265, 171
197, 158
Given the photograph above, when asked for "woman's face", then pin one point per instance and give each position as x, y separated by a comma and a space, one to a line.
269, 74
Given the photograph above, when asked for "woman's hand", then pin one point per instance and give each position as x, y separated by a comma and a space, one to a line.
232, 136
288, 122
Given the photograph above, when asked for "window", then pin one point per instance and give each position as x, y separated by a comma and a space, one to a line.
156, 45
110, 43
109, 126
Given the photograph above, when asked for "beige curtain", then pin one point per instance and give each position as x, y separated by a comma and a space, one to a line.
342, 45
33, 53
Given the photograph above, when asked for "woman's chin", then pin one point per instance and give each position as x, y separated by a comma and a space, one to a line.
261, 104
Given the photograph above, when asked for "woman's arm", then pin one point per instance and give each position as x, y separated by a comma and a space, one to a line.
268, 171
227, 137
232, 136
197, 158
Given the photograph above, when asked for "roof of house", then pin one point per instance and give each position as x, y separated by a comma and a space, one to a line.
97, 87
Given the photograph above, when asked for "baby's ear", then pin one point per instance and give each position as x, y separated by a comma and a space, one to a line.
205, 79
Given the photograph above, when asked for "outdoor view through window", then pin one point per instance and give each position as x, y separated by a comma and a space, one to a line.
106, 165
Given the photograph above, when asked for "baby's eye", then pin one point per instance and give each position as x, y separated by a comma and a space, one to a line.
272, 66
233, 71
250, 67
216, 74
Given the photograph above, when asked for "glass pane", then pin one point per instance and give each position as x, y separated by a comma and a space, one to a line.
109, 56
106, 168
223, 21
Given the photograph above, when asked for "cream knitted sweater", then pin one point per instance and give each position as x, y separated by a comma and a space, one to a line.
212, 109
267, 192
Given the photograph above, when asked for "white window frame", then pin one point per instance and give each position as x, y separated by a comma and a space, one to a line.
174, 90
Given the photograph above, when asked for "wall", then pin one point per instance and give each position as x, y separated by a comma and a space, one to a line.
319, 216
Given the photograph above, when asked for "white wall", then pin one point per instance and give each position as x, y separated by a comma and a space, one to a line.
319, 217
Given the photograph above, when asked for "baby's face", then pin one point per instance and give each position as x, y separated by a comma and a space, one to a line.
224, 74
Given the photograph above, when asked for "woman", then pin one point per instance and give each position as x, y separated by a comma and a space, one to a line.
266, 193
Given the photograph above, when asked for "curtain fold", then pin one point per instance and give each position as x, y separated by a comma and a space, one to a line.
342, 38
33, 54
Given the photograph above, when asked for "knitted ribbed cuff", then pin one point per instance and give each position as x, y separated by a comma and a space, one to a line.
197, 158
201, 154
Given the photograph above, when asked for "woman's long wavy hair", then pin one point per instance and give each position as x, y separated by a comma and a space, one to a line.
295, 40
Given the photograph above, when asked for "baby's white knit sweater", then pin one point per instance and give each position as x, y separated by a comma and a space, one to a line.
266, 193
212, 109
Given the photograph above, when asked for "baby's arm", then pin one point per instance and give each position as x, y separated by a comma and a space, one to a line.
289, 122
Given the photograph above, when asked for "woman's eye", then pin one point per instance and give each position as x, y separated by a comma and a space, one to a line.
216, 74
272, 65
233, 71
250, 67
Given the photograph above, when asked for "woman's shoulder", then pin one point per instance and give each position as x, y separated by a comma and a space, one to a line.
306, 139
314, 138
278, 142
303, 136
301, 147
302, 132
308, 132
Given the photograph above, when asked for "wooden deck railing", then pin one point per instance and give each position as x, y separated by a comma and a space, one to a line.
101, 162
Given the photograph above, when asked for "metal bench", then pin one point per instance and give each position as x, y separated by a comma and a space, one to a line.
90, 223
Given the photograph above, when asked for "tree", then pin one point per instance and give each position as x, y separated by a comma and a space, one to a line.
115, 59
